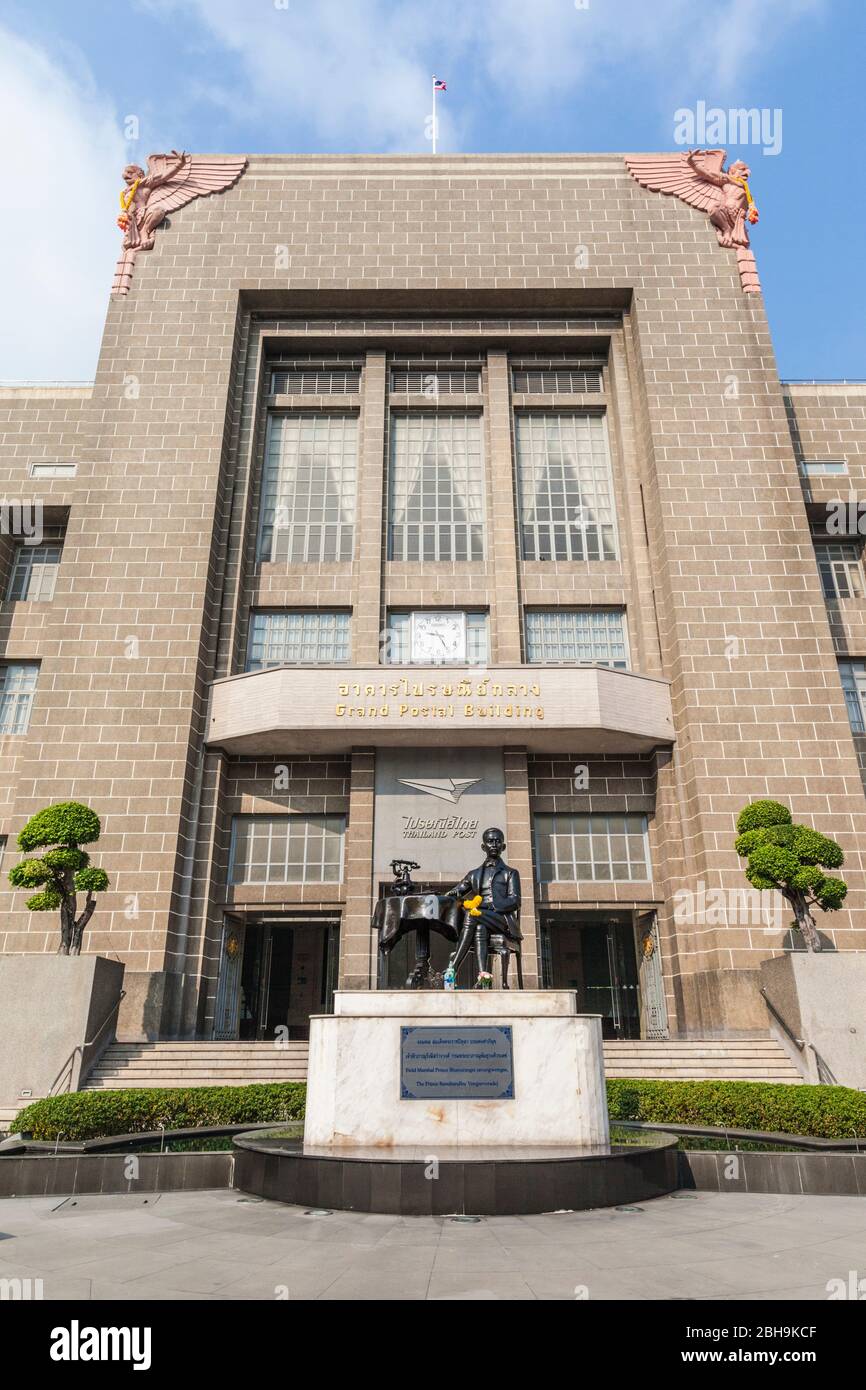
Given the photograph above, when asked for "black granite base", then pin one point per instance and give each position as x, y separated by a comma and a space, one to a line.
49, 1175
795, 1174
499, 1184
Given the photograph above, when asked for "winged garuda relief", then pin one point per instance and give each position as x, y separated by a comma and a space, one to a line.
699, 178
171, 181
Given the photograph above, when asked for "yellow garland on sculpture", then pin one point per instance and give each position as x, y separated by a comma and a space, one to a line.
126, 197
752, 214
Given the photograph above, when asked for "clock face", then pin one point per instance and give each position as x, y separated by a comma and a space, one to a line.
438, 637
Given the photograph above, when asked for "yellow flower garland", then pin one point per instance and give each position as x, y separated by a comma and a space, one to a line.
127, 195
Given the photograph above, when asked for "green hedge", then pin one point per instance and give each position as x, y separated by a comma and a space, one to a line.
830, 1112
96, 1114
827, 1112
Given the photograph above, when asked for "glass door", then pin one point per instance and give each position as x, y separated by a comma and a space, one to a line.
594, 954
288, 974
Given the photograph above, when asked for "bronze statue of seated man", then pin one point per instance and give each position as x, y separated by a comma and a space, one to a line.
494, 924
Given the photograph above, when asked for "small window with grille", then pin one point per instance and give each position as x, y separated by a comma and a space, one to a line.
579, 636
315, 379
817, 468
556, 378
578, 849
34, 571
435, 379
853, 675
304, 637
287, 849
464, 641
17, 691
840, 569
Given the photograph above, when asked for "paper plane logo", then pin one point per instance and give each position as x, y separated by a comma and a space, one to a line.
445, 788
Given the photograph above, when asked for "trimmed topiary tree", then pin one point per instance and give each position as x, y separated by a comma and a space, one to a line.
790, 858
64, 870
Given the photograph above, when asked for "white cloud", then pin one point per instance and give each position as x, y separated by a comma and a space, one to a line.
359, 74
62, 157
355, 75
551, 45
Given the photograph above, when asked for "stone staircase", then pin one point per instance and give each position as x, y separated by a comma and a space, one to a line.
125, 1065
684, 1059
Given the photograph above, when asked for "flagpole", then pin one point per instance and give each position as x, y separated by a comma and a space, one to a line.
434, 113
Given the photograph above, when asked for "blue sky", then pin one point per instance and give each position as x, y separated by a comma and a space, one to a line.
354, 75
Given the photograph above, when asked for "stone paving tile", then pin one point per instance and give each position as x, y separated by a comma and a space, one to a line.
209, 1245
378, 1285
481, 1285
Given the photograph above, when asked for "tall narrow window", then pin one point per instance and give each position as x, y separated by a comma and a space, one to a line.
34, 572
287, 849
840, 569
580, 635
565, 486
853, 675
575, 849
309, 486
17, 688
307, 637
435, 487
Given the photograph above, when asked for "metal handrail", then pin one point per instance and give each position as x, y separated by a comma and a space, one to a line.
799, 1043
66, 1069
826, 1075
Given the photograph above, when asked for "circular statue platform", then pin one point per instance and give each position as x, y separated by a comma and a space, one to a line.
490, 1181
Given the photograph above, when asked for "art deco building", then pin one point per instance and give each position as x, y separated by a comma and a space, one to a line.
412, 496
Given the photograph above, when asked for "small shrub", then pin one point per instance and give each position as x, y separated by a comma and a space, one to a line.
826, 1112
98, 1114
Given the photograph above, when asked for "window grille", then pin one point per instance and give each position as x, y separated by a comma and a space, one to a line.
575, 849
565, 487
435, 487
308, 488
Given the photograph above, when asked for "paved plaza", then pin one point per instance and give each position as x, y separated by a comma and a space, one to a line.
222, 1245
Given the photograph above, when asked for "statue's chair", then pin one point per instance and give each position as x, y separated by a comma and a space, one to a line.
505, 947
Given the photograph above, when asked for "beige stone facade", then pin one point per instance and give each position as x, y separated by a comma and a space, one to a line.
495, 263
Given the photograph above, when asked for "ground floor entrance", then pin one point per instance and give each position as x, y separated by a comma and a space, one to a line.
595, 953
276, 973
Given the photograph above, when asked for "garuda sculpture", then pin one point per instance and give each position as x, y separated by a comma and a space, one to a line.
171, 181
699, 179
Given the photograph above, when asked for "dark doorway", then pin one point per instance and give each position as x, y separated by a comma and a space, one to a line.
594, 953
288, 973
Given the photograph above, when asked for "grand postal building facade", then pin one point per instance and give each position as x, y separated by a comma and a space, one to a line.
414, 496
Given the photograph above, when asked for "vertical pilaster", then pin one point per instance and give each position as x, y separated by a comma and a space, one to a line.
518, 854
356, 940
502, 526
369, 526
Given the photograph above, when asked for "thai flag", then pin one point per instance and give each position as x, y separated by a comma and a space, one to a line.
439, 85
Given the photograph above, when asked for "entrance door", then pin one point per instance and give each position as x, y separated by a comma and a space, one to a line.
594, 954
287, 975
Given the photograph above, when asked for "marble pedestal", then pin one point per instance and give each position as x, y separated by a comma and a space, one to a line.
354, 1082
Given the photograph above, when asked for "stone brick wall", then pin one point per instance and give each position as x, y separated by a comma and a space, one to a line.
156, 579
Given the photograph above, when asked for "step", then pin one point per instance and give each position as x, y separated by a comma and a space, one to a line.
706, 1073
186, 1062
